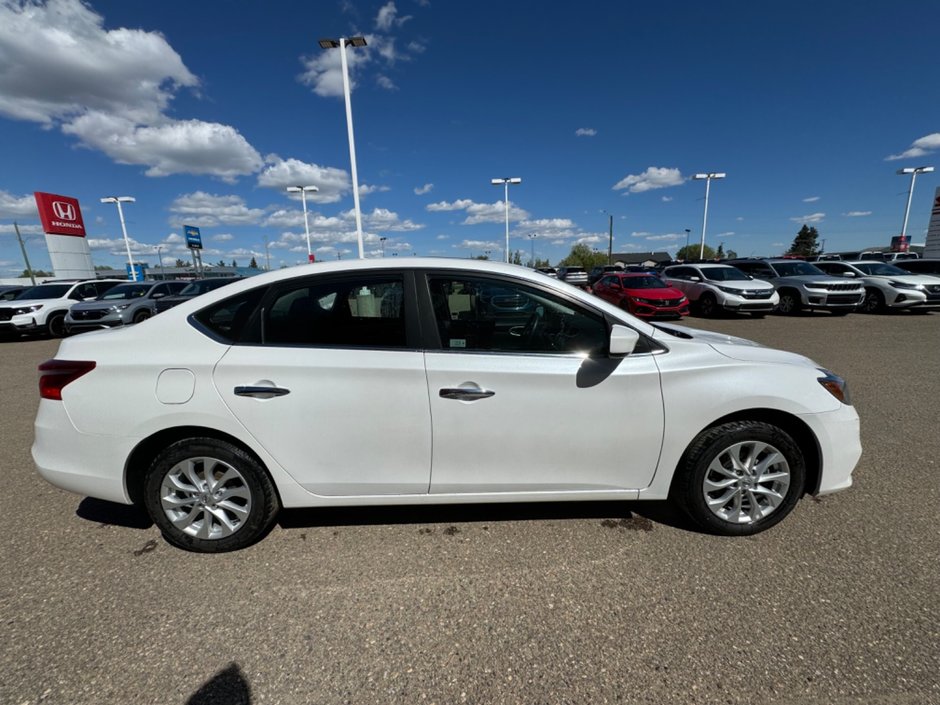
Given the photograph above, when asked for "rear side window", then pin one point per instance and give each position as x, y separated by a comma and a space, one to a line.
361, 312
227, 320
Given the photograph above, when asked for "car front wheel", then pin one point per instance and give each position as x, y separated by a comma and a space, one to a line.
740, 478
56, 326
209, 496
707, 305
790, 304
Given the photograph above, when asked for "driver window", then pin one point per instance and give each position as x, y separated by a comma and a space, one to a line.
490, 315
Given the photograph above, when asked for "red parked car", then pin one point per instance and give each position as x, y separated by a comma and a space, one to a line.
642, 294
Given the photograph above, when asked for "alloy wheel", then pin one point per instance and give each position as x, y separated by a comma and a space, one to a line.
746, 482
205, 498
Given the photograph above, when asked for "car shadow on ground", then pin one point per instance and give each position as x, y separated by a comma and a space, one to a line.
639, 515
102, 512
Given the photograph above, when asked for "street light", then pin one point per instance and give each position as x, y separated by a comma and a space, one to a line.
506, 181
610, 241
342, 43
532, 237
159, 249
118, 200
382, 240
302, 190
688, 232
708, 181
913, 171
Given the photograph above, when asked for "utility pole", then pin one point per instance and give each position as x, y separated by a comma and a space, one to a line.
29, 270
267, 254
610, 241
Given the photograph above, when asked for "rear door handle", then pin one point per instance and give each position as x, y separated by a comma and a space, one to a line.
465, 393
261, 392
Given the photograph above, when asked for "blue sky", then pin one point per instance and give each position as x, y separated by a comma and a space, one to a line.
205, 112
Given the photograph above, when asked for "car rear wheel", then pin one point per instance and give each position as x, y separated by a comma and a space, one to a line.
209, 496
740, 478
874, 301
707, 305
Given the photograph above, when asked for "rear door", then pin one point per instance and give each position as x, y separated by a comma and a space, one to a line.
333, 387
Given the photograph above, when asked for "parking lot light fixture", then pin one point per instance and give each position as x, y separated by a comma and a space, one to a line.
302, 190
118, 200
913, 171
708, 181
341, 44
505, 181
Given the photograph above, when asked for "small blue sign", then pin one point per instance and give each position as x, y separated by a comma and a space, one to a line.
138, 275
193, 237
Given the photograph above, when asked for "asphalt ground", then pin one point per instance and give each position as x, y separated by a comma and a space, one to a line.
573, 603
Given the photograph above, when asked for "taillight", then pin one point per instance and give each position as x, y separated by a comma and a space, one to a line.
55, 374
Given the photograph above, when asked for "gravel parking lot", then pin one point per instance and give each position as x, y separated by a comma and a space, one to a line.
589, 603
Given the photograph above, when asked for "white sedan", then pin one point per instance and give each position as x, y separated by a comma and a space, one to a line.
431, 381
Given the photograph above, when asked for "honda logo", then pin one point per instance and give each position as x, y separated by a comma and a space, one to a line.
63, 210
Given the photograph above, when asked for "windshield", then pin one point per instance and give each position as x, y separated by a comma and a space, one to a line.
880, 268
125, 291
46, 291
724, 274
649, 282
202, 286
796, 269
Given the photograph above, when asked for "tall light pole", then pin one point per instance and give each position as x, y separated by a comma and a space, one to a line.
688, 232
342, 43
506, 181
302, 190
708, 181
382, 240
532, 237
913, 171
118, 200
159, 249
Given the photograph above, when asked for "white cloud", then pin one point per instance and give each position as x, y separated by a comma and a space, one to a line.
665, 238
666, 199
421, 190
366, 189
585, 132
443, 237
653, 178
109, 88
480, 212
811, 218
175, 147
24, 229
17, 206
729, 233
386, 83
479, 245
333, 183
207, 210
222, 237
856, 214
811, 199
445, 206
919, 147
388, 17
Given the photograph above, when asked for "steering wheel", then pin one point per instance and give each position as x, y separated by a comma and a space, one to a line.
533, 325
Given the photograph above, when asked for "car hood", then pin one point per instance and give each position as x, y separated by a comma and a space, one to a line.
924, 279
18, 303
749, 285
101, 305
818, 278
734, 347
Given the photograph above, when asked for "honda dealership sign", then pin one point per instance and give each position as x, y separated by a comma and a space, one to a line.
62, 222
60, 215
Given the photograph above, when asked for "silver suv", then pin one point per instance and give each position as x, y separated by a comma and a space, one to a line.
42, 308
131, 302
804, 286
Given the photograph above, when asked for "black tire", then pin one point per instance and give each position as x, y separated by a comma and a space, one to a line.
249, 510
713, 448
142, 315
55, 325
790, 303
874, 302
707, 305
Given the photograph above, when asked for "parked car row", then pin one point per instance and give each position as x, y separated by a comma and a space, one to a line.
59, 308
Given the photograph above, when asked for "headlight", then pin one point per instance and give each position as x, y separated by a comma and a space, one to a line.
902, 285
835, 385
681, 300
729, 290
119, 307
27, 309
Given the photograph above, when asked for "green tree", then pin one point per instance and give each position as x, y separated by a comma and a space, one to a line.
720, 254
36, 273
731, 254
179, 263
234, 263
253, 264
516, 257
805, 244
582, 255
691, 252
103, 268
542, 262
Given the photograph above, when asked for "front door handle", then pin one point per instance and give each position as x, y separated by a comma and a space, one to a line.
465, 393
261, 392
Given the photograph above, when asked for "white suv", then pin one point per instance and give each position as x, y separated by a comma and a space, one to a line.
713, 287
42, 308
887, 286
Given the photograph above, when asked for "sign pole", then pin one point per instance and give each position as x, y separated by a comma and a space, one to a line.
29, 270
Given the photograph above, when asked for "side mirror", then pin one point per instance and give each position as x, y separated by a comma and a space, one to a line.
623, 340
849, 275
158, 295
693, 278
